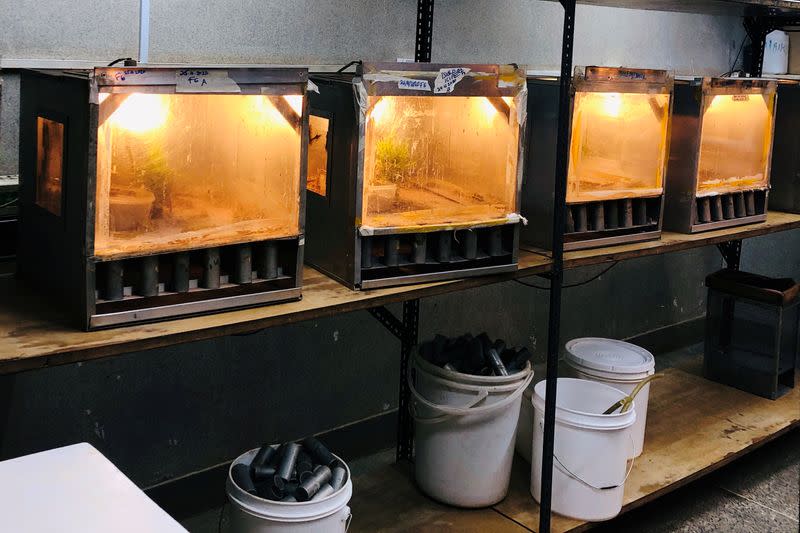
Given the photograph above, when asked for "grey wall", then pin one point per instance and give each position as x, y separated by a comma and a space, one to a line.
170, 411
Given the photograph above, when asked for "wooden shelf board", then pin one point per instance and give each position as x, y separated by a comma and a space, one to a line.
675, 242
34, 335
708, 7
694, 426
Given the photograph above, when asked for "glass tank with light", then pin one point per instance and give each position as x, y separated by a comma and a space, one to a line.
722, 139
166, 191
414, 172
619, 145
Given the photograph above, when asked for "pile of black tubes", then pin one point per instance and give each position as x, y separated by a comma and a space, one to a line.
292, 472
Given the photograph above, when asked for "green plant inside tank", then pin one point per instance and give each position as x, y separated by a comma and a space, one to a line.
393, 162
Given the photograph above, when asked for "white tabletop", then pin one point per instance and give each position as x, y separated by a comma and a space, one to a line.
75, 489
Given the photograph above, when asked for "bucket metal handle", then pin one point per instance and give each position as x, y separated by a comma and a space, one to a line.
579, 479
448, 411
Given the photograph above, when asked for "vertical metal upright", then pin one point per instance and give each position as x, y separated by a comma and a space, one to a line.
557, 274
422, 47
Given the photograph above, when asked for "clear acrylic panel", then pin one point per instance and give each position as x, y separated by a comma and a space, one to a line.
735, 143
618, 147
49, 164
178, 171
432, 161
318, 131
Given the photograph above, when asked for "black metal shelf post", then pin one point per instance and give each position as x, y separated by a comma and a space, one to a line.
407, 330
557, 275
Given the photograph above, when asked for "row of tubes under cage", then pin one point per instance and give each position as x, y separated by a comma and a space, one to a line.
264, 257
609, 214
726, 206
444, 251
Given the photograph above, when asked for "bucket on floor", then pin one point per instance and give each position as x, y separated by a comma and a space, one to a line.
590, 451
252, 514
465, 427
524, 442
619, 364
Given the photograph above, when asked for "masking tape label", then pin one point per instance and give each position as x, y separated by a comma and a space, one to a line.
413, 85
448, 78
204, 81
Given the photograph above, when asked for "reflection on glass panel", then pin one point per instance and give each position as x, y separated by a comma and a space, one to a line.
317, 180
439, 160
619, 146
735, 143
49, 164
178, 171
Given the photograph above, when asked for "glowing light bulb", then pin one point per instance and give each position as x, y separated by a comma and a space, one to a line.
379, 110
295, 101
612, 104
489, 110
140, 113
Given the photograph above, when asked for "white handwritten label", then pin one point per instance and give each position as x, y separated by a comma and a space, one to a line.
448, 78
204, 81
413, 85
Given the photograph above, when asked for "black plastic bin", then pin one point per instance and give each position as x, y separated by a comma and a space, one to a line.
752, 332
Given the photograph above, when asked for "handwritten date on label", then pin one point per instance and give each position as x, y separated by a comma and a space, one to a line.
200, 80
448, 78
414, 85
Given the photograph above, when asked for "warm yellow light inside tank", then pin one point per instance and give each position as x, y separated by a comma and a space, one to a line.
380, 110
295, 101
140, 113
611, 104
489, 110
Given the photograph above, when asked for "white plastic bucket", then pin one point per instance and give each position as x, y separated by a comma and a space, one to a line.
525, 425
590, 451
251, 514
465, 427
619, 364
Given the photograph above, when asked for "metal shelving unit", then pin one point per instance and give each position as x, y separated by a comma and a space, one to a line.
759, 18
40, 340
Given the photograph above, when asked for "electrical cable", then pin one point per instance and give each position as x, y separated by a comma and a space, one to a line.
534, 286
120, 59
733, 65
350, 64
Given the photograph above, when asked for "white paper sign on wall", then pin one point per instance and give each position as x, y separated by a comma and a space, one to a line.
413, 85
204, 81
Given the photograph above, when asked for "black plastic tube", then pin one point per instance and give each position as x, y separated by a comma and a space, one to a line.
612, 214
114, 289
243, 264
180, 272
727, 207
241, 476
704, 210
309, 487
338, 477
211, 268
287, 462
640, 212
495, 242
263, 456
444, 245
469, 245
420, 248
581, 223
739, 208
627, 213
324, 491
497, 363
366, 253
391, 251
318, 451
148, 284
270, 260
598, 217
